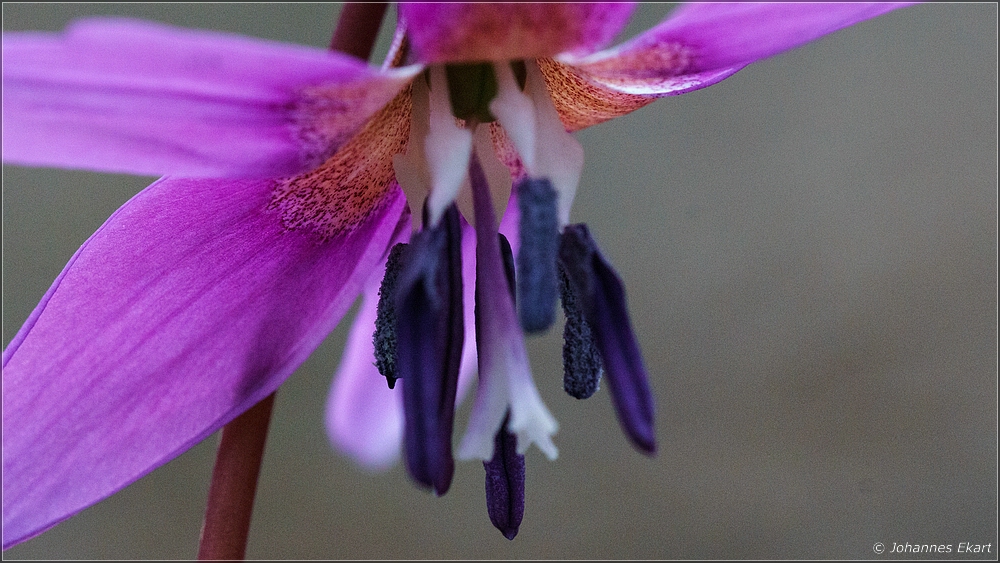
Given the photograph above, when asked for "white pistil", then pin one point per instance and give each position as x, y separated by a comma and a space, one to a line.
505, 382
530, 420
546, 148
504, 373
447, 148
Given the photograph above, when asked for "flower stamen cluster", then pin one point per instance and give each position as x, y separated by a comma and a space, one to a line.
421, 296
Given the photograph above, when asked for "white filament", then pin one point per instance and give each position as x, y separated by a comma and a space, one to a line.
411, 168
559, 156
516, 112
447, 148
533, 125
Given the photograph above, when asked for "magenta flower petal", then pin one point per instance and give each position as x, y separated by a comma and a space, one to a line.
696, 46
364, 418
486, 31
199, 297
137, 97
708, 37
189, 305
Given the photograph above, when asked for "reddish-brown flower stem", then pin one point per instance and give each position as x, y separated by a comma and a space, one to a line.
234, 484
241, 449
357, 28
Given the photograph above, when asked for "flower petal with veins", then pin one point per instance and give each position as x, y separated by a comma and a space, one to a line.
121, 95
188, 306
695, 46
344, 191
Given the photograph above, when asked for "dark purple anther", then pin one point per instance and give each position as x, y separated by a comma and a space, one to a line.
601, 297
430, 333
505, 483
385, 319
582, 364
537, 281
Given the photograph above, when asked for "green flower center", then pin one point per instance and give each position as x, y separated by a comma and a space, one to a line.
472, 86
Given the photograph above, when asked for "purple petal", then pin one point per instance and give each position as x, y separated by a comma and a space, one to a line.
601, 296
708, 37
696, 46
364, 417
137, 97
486, 31
189, 305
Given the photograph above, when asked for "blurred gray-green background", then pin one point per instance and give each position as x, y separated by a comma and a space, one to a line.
810, 253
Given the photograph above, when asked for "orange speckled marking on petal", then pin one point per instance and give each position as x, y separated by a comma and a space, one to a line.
655, 59
582, 103
325, 117
341, 193
507, 152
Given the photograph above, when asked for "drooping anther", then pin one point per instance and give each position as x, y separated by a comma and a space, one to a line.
385, 319
582, 365
601, 296
537, 278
